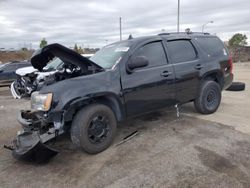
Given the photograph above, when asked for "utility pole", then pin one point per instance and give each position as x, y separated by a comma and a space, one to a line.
120, 24
178, 17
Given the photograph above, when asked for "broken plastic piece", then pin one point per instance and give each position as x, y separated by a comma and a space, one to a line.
10, 147
127, 138
28, 146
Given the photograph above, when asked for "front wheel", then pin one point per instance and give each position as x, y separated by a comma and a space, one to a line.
209, 98
93, 128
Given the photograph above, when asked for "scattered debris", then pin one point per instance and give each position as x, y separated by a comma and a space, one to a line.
177, 110
10, 147
128, 137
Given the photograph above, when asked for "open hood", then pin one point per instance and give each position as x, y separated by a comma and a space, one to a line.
41, 57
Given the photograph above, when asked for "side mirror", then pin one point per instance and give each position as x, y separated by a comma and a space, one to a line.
137, 62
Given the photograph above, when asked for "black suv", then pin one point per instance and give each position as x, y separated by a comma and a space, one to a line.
124, 79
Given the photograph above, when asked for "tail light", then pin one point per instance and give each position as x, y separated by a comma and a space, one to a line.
230, 63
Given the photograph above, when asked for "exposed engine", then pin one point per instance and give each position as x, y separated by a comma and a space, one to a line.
25, 84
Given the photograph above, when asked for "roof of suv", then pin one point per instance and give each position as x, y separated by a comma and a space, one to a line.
180, 35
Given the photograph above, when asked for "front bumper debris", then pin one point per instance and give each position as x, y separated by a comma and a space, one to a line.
31, 144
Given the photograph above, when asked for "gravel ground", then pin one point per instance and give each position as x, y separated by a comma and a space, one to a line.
190, 151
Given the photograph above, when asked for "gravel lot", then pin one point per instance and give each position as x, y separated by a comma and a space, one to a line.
191, 151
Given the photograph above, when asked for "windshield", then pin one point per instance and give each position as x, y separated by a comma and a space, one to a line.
110, 55
2, 66
54, 64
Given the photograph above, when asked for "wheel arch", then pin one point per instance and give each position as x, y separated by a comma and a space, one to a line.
216, 76
108, 99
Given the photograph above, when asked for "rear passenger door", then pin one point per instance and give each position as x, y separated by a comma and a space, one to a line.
150, 87
187, 67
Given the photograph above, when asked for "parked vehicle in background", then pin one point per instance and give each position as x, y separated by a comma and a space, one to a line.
30, 79
122, 80
7, 71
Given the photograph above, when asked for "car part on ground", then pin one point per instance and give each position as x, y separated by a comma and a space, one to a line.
30, 147
31, 144
236, 86
137, 77
128, 137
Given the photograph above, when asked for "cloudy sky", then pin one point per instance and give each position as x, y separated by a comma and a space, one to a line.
94, 23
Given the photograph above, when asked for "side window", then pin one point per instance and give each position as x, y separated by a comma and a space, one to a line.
181, 51
154, 52
212, 46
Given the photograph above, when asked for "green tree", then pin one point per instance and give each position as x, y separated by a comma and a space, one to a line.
237, 40
43, 43
236, 43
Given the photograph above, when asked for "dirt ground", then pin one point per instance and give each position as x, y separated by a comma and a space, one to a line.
17, 56
191, 151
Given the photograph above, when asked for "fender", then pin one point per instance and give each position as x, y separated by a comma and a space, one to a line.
109, 99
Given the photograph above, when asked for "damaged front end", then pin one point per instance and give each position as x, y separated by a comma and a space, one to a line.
33, 143
46, 121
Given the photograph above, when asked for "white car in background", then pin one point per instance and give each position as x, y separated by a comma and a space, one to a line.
30, 79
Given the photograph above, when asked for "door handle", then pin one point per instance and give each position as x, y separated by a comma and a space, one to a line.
198, 67
166, 73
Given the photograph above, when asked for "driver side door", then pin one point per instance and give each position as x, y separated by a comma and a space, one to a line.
151, 87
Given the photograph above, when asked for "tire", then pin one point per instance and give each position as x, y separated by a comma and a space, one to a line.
209, 98
93, 128
236, 86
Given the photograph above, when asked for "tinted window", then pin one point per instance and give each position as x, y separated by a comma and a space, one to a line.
212, 46
154, 52
181, 51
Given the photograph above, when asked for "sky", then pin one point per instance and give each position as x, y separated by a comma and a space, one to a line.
95, 23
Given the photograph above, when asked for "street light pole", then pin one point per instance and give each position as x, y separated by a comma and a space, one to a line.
203, 26
120, 24
178, 17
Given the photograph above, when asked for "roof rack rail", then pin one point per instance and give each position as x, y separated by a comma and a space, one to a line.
188, 33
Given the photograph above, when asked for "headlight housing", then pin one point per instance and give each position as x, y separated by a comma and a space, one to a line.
41, 102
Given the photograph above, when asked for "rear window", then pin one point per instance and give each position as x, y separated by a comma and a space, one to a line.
212, 46
181, 51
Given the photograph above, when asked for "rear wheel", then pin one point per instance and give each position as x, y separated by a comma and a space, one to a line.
209, 98
93, 128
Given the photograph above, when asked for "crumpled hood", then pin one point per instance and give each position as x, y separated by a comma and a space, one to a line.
41, 57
